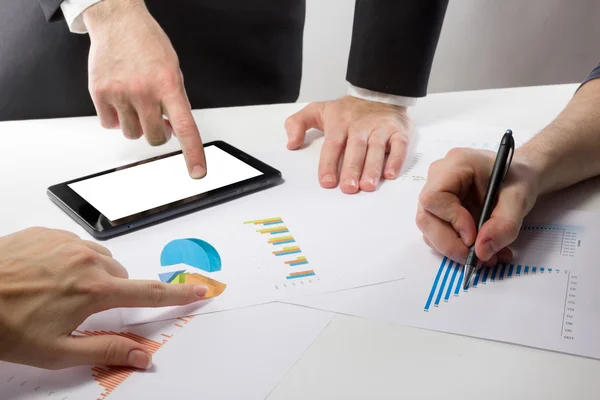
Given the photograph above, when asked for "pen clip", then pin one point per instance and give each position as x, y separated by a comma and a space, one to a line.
512, 152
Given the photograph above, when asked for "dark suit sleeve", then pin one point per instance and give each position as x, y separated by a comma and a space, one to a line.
52, 10
595, 74
393, 44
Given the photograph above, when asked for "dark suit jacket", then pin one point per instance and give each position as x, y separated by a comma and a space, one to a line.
232, 52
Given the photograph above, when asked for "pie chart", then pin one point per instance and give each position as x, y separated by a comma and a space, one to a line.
192, 252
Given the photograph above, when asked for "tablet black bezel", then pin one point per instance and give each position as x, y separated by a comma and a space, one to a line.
102, 228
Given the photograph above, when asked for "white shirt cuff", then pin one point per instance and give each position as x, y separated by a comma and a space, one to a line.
73, 12
379, 97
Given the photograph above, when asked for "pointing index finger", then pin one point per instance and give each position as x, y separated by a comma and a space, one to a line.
177, 109
142, 293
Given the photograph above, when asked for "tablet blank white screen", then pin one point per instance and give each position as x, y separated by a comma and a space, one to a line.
143, 187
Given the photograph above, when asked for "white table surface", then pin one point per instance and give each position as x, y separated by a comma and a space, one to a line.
353, 358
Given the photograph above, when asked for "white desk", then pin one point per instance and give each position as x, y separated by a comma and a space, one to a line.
357, 358
353, 358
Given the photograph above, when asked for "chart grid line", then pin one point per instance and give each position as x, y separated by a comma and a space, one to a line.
562, 326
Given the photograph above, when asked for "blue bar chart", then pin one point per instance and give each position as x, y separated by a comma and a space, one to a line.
448, 281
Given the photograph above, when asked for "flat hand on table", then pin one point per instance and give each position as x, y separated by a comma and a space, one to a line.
365, 131
51, 281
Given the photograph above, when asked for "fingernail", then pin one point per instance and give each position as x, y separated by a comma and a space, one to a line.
391, 172
200, 290
328, 178
370, 181
350, 182
139, 359
489, 249
463, 236
198, 172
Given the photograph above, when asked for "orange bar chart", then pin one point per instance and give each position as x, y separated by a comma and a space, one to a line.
109, 378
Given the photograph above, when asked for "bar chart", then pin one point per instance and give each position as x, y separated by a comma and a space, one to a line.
285, 247
96, 382
448, 281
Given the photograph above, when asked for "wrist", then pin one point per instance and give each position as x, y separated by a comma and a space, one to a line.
537, 165
107, 11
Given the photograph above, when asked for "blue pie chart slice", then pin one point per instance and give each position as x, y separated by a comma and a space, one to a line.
193, 252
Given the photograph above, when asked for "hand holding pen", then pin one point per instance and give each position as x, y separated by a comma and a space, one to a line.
451, 213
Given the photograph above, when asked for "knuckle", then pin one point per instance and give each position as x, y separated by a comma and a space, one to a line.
119, 99
291, 121
359, 139
421, 220
427, 198
354, 169
434, 166
448, 249
312, 108
138, 88
170, 78
108, 88
372, 172
99, 90
184, 124
400, 138
158, 292
84, 255
192, 154
511, 228
110, 353
336, 141
456, 152
377, 139
95, 289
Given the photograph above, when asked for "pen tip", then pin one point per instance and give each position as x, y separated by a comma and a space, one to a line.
509, 131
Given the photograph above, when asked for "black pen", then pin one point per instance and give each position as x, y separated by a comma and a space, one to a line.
501, 165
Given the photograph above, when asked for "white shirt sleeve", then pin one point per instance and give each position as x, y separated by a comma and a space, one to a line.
379, 97
73, 12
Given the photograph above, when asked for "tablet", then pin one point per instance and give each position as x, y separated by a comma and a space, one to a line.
123, 199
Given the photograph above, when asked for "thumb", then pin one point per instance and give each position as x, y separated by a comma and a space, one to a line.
297, 125
109, 349
502, 228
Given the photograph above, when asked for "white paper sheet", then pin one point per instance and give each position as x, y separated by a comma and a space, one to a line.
348, 241
201, 357
321, 243
546, 298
